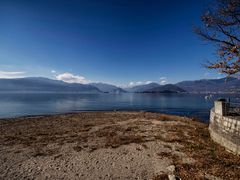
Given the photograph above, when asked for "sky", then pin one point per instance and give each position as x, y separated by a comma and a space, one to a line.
122, 42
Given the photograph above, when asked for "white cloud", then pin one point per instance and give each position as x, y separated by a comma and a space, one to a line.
131, 84
148, 82
53, 71
70, 78
11, 74
163, 80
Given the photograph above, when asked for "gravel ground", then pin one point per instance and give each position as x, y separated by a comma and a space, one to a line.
112, 145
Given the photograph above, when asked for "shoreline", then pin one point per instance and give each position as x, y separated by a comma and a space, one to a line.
101, 111
108, 145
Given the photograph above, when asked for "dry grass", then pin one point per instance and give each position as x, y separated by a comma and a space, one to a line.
161, 177
92, 131
210, 157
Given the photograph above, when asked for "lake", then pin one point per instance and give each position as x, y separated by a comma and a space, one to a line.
28, 104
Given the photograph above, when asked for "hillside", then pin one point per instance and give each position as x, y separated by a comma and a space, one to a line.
108, 88
142, 88
49, 85
168, 88
156, 88
44, 85
211, 85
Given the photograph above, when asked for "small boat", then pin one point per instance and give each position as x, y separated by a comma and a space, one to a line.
207, 97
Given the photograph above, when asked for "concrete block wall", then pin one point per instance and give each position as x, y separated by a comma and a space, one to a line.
225, 130
221, 107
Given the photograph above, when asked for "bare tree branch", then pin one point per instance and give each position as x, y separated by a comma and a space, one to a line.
221, 26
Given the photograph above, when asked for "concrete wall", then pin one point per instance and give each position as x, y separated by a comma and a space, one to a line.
225, 130
221, 107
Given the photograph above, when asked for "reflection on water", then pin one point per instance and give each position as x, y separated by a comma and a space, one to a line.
21, 104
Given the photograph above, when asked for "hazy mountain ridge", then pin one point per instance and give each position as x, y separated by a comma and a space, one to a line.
49, 85
211, 85
142, 88
168, 88
155, 88
44, 84
108, 88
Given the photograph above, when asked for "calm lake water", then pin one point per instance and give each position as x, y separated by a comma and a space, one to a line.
24, 104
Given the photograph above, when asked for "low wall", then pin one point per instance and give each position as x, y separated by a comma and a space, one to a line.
225, 130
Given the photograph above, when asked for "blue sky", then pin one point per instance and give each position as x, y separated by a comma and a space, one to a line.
119, 42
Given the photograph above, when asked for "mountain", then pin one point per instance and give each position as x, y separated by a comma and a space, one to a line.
211, 85
155, 88
168, 88
44, 85
49, 85
223, 85
142, 88
107, 88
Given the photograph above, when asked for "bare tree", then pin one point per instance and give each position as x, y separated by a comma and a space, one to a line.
221, 25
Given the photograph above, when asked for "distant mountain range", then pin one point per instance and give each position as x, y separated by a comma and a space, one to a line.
142, 88
107, 88
33, 84
49, 85
168, 88
223, 85
155, 88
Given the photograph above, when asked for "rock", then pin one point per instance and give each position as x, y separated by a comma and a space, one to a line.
173, 177
171, 168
